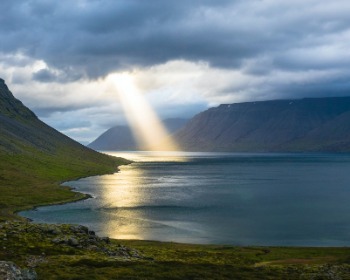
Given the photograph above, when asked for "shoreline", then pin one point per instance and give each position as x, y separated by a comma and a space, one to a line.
72, 251
79, 196
83, 196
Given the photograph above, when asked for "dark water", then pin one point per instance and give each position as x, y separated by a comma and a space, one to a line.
240, 199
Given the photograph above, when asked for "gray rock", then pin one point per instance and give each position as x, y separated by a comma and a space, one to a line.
79, 229
57, 240
10, 271
106, 240
73, 242
53, 230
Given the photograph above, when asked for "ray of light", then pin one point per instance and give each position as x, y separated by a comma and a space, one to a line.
146, 126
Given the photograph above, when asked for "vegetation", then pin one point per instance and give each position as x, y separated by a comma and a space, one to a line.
26, 182
73, 252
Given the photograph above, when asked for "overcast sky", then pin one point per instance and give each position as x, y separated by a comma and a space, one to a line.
56, 56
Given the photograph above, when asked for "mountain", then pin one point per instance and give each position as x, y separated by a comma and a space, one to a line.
303, 125
35, 158
121, 138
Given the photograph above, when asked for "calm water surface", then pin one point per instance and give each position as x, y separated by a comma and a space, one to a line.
240, 199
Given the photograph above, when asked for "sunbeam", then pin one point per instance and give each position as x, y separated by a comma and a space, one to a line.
146, 126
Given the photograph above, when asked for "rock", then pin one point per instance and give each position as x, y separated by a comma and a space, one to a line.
34, 261
106, 240
79, 229
53, 230
10, 271
72, 242
57, 240
29, 274
94, 248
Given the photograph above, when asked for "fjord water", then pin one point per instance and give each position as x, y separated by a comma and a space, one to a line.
222, 198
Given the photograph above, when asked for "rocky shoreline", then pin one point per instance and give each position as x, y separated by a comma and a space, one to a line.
30, 245
30, 251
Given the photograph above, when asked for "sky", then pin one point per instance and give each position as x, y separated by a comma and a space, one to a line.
58, 57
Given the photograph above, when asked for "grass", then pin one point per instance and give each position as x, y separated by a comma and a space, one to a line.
31, 245
30, 180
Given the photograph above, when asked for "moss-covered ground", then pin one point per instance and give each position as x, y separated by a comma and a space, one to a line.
73, 252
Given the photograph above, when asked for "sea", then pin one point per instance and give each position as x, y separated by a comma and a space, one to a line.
216, 198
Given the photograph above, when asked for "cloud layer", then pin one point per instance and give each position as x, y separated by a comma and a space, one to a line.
186, 55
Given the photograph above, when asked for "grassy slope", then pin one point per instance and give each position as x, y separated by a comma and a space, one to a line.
26, 182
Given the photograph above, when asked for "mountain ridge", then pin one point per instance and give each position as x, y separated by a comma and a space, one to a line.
293, 125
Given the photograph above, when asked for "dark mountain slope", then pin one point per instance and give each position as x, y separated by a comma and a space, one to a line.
34, 158
311, 124
121, 138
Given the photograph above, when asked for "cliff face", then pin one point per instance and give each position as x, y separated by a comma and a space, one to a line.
305, 125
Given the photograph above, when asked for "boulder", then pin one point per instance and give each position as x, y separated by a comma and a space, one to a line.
10, 271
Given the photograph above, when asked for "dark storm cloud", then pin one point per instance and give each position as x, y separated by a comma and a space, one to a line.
89, 39
47, 111
63, 76
100, 36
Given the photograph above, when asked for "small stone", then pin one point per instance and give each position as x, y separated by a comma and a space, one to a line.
93, 248
73, 242
106, 240
79, 229
57, 240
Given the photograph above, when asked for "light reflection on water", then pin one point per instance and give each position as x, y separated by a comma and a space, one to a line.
129, 197
246, 199
118, 195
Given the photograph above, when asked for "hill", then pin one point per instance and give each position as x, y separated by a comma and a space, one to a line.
304, 125
35, 158
121, 138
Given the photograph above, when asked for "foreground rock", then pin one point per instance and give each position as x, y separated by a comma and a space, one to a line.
43, 239
10, 271
26, 249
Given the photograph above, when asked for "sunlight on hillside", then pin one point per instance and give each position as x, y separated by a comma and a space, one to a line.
147, 128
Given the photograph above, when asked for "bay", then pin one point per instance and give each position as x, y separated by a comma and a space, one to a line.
219, 198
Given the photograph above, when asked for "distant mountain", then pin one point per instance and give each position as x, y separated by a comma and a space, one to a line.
303, 125
121, 138
34, 158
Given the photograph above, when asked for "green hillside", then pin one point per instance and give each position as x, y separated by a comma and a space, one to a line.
35, 159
